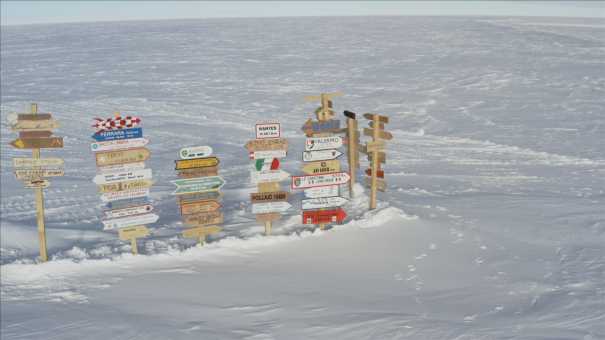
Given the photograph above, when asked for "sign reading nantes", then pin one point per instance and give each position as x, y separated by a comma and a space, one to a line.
268, 130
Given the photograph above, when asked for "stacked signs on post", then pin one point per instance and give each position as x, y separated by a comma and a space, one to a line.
266, 150
376, 155
35, 133
122, 178
198, 192
323, 176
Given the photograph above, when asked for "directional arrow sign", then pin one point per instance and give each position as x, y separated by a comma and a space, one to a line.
198, 172
199, 207
35, 125
311, 156
265, 176
268, 154
375, 146
381, 133
200, 196
38, 143
119, 144
310, 127
129, 211
311, 181
104, 136
124, 186
326, 202
120, 157
120, 195
133, 232
37, 183
263, 197
270, 207
382, 119
196, 163
116, 123
33, 162
34, 134
323, 143
328, 191
32, 116
267, 144
214, 217
127, 203
198, 232
268, 130
195, 152
194, 185
126, 167
129, 221
321, 167
113, 177
324, 216
37, 174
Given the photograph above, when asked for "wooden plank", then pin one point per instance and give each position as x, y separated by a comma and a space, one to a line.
125, 186
28, 163
378, 145
381, 119
198, 172
267, 144
34, 134
126, 234
353, 153
123, 156
206, 162
382, 157
38, 173
374, 163
34, 116
202, 196
262, 197
190, 208
262, 218
214, 217
35, 125
379, 134
321, 167
268, 187
38, 143
37, 184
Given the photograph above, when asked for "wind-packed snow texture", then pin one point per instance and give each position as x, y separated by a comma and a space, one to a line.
493, 225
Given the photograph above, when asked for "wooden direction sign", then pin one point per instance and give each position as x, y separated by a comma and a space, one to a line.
379, 173
35, 125
113, 177
200, 196
199, 207
201, 184
267, 144
324, 216
381, 185
124, 156
378, 145
198, 172
120, 195
128, 211
37, 183
125, 186
312, 127
127, 203
130, 233
37, 162
196, 163
323, 143
214, 217
30, 174
201, 232
195, 152
263, 197
129, 221
34, 134
310, 181
321, 167
325, 202
269, 217
268, 130
268, 154
265, 176
270, 207
104, 136
121, 168
38, 143
381, 119
381, 133
380, 125
323, 155
327, 191
382, 157
119, 144
34, 116
268, 187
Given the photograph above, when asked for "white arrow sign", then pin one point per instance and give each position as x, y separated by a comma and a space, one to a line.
328, 191
268, 154
265, 176
310, 181
323, 143
113, 177
120, 195
119, 144
129, 221
325, 202
269, 207
126, 167
195, 152
129, 211
323, 155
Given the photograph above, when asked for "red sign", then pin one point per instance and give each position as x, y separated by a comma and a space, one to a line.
379, 173
324, 216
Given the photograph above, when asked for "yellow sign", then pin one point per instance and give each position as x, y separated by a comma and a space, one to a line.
124, 186
29, 174
34, 162
133, 232
183, 164
121, 157
198, 232
321, 167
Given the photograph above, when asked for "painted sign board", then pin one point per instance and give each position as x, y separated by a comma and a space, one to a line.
35, 125
196, 163
198, 172
311, 181
199, 196
381, 133
323, 155
268, 187
198, 232
120, 157
323, 216
128, 211
268, 130
268, 154
116, 123
199, 207
262, 197
323, 143
120, 195
265, 176
267, 144
113, 177
121, 168
133, 232
327, 191
270, 207
267, 217
39, 162
119, 144
382, 119
129, 221
201, 184
34, 134
104, 136
321, 167
37, 174
37, 183
325, 202
311, 127
31, 116
195, 152
124, 186
38, 143
214, 217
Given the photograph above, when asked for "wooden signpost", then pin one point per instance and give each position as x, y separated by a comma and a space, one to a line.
352, 148
198, 192
268, 202
323, 175
374, 149
35, 133
122, 180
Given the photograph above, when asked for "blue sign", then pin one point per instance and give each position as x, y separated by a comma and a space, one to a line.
128, 202
331, 124
105, 136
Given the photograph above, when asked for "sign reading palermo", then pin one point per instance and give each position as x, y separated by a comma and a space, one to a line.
323, 143
268, 130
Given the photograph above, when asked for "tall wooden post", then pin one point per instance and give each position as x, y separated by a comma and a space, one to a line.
133, 245
39, 194
375, 163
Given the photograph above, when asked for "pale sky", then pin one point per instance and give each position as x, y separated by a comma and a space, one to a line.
31, 12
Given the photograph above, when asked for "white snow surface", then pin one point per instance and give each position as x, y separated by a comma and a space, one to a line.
493, 225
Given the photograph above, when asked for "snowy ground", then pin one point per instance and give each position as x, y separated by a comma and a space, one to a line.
493, 226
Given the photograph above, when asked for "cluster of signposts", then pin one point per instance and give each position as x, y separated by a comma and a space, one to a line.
124, 182
198, 192
122, 178
266, 150
35, 133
